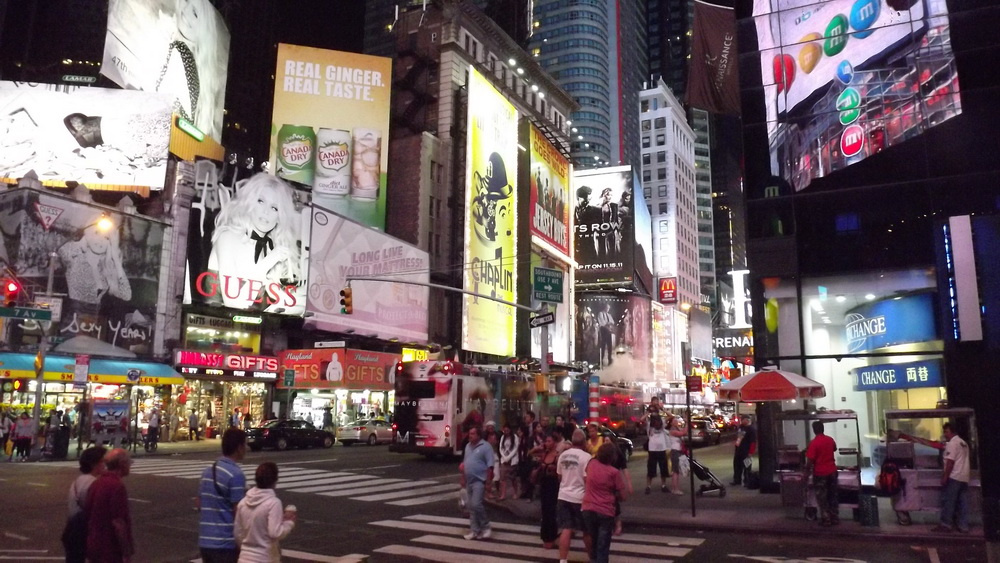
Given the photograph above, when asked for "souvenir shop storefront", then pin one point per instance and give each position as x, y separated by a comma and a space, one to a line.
72, 382
352, 384
215, 384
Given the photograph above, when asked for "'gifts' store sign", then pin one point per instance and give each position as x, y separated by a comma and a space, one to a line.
215, 364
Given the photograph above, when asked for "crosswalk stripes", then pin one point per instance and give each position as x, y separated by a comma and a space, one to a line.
295, 555
336, 484
443, 542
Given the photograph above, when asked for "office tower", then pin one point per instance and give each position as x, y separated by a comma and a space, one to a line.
596, 51
668, 29
668, 183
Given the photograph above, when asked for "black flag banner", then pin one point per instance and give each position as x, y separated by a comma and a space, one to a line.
713, 81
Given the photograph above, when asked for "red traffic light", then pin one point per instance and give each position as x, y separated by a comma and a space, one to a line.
11, 292
12, 286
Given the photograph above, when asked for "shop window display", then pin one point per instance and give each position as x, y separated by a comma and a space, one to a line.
880, 329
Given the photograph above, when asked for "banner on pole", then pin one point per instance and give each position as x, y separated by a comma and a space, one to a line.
713, 81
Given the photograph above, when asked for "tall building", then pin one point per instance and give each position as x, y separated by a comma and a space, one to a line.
870, 247
668, 183
668, 31
436, 50
596, 51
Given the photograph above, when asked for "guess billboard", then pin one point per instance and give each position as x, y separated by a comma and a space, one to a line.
340, 368
196, 362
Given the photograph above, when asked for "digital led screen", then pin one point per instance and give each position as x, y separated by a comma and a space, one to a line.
845, 79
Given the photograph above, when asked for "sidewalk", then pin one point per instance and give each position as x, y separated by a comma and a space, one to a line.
213, 446
743, 510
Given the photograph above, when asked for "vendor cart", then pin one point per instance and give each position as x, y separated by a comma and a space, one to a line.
920, 465
796, 432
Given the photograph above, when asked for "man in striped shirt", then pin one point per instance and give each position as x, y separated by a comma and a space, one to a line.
222, 487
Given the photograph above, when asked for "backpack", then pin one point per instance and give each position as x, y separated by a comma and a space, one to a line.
890, 481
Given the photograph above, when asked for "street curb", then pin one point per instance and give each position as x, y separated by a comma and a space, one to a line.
841, 531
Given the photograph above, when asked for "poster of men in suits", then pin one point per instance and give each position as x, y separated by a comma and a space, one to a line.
604, 225
614, 330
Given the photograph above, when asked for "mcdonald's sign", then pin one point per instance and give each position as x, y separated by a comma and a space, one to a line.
668, 290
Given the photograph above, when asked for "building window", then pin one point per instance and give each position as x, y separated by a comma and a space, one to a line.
646, 193
645, 142
646, 175
660, 123
661, 156
661, 191
664, 226
645, 125
646, 159
661, 140
661, 173
663, 208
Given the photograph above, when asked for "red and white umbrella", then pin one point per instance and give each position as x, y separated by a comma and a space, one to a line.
770, 384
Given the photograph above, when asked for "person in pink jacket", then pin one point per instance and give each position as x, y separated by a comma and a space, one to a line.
260, 520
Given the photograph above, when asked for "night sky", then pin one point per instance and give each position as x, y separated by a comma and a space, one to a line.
327, 24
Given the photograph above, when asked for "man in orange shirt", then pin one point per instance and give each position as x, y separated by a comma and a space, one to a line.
820, 460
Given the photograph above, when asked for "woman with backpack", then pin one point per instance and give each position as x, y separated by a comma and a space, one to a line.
74, 536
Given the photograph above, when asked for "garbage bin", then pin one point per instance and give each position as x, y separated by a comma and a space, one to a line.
60, 443
867, 510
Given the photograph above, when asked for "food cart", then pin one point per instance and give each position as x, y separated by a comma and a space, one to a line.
920, 465
796, 491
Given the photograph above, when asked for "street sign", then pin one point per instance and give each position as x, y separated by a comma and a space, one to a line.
548, 285
694, 383
289, 380
81, 369
331, 344
542, 320
26, 313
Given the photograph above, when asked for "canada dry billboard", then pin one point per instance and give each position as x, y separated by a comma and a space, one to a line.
106, 263
179, 48
330, 128
342, 248
845, 79
491, 232
550, 198
605, 225
96, 136
245, 248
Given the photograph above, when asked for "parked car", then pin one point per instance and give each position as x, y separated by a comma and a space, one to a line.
623, 443
371, 431
703, 431
283, 434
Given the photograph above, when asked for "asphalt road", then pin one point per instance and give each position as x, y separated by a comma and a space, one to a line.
385, 506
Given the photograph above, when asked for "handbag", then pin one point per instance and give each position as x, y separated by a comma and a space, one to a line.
685, 465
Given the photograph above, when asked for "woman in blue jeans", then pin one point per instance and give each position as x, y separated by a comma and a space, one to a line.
605, 486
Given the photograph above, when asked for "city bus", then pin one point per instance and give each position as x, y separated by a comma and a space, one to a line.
438, 401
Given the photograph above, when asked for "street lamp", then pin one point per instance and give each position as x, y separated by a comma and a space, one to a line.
104, 224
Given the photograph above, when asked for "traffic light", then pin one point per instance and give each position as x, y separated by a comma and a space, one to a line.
20, 385
39, 363
346, 301
11, 292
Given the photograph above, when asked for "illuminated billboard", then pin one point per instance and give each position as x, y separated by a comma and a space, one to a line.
550, 198
342, 248
107, 268
179, 48
613, 334
340, 368
846, 79
491, 220
106, 139
245, 245
605, 225
330, 128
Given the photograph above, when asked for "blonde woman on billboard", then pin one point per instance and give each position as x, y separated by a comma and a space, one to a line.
94, 268
255, 248
192, 72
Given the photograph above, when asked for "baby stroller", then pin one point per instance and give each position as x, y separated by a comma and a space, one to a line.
705, 474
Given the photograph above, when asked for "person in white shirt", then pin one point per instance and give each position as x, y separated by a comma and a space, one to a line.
260, 521
955, 483
572, 471
657, 447
509, 449
954, 478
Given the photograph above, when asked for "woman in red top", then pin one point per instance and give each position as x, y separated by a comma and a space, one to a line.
604, 486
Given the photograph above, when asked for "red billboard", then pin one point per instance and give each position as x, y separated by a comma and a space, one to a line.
345, 368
